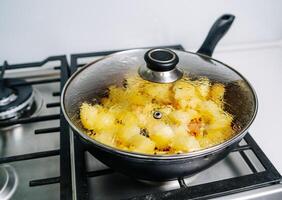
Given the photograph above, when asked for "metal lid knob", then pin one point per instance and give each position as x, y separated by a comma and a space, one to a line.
161, 59
161, 66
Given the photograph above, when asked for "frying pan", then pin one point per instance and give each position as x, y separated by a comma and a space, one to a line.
92, 80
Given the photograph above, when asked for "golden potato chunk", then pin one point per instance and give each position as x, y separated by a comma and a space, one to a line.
106, 137
185, 143
158, 92
88, 115
183, 92
217, 93
124, 133
203, 87
183, 117
161, 134
105, 120
141, 144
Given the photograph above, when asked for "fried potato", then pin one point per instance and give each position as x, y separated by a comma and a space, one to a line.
191, 116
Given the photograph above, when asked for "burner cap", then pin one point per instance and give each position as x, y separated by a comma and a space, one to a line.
6, 96
5, 93
17, 97
8, 182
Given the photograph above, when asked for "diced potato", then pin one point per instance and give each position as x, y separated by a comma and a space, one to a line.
196, 127
222, 121
142, 119
124, 133
179, 117
180, 130
122, 147
182, 117
181, 103
106, 137
209, 110
141, 144
183, 90
193, 103
161, 134
205, 142
127, 118
217, 93
158, 92
105, 120
215, 136
136, 98
203, 87
185, 143
166, 109
88, 115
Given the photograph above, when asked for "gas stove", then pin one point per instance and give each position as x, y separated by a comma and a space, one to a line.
41, 158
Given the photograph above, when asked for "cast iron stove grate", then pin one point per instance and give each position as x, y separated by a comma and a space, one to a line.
63, 152
256, 179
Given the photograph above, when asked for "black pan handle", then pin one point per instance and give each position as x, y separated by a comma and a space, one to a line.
217, 31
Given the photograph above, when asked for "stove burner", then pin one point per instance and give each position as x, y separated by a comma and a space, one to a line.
8, 182
17, 98
6, 95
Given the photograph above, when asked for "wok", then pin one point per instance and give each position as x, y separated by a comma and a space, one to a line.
93, 79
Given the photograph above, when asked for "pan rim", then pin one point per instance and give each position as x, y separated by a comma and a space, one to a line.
199, 153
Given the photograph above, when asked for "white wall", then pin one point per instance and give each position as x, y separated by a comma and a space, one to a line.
31, 30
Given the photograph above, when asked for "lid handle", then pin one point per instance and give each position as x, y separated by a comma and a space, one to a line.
161, 60
160, 66
217, 31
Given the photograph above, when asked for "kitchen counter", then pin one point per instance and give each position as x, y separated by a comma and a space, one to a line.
261, 64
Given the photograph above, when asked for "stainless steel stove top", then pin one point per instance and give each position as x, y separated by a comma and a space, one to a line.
41, 177
21, 139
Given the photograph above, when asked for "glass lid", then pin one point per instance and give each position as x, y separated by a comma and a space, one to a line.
161, 80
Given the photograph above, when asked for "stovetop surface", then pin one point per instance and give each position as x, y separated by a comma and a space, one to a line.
22, 139
41, 177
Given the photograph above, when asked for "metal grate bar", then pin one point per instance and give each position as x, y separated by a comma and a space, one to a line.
45, 181
56, 94
214, 189
53, 180
37, 82
33, 64
241, 148
30, 156
261, 156
65, 160
30, 120
249, 163
52, 105
182, 183
80, 170
47, 130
